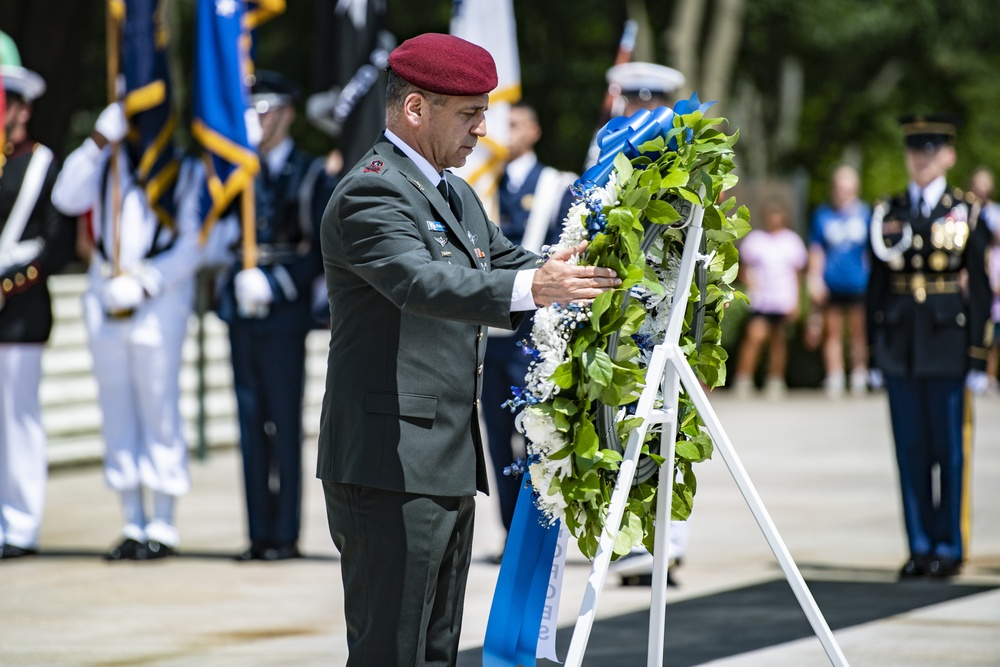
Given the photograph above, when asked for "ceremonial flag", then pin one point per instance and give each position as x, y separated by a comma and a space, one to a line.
152, 121
490, 24
220, 97
352, 53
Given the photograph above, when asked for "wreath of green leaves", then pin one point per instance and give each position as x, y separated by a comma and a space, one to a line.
603, 373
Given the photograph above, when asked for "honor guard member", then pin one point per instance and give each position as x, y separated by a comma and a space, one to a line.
35, 242
531, 199
268, 310
416, 272
136, 310
636, 86
928, 307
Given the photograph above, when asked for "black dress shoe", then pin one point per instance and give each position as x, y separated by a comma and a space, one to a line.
127, 550
9, 551
280, 552
915, 567
253, 552
942, 568
153, 550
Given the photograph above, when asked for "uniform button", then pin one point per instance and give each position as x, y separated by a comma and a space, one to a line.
479, 336
475, 403
19, 279
479, 370
32, 273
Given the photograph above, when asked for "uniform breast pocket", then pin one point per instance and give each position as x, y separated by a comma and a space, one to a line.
948, 311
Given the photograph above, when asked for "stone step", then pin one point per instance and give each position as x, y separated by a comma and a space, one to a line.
68, 391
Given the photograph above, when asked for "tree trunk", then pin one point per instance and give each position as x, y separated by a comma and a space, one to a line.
645, 50
721, 50
681, 41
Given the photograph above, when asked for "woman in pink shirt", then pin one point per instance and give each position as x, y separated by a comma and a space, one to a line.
772, 260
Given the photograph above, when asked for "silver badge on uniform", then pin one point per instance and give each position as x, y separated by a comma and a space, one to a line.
441, 240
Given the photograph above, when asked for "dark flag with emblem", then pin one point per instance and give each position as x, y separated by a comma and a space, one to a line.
352, 53
147, 101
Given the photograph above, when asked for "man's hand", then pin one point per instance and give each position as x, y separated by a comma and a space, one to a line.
558, 281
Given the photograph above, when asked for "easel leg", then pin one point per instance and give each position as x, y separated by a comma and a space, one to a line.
665, 494
725, 447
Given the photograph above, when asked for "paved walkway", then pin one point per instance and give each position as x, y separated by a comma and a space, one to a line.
824, 470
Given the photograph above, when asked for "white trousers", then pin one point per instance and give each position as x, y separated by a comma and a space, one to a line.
137, 362
23, 464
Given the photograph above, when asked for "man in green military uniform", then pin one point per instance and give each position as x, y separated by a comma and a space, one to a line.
416, 272
928, 307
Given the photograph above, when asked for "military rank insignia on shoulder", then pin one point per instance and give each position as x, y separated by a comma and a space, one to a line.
374, 167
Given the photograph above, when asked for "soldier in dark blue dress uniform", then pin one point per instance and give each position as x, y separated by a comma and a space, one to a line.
928, 308
268, 309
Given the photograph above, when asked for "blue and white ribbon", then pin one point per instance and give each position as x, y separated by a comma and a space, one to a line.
522, 587
626, 135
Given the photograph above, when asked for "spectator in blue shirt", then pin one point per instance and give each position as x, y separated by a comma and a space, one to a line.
837, 278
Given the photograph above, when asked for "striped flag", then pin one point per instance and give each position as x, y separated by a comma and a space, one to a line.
152, 121
221, 97
491, 25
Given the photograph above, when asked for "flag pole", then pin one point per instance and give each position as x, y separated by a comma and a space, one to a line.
114, 15
625, 48
249, 222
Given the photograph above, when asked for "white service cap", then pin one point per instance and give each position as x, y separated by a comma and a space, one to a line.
650, 78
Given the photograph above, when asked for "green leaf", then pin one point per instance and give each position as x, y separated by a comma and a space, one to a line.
674, 179
598, 307
624, 167
638, 198
586, 443
599, 366
661, 213
689, 195
565, 406
634, 316
563, 375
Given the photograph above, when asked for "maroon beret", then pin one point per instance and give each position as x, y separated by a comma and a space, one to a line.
445, 64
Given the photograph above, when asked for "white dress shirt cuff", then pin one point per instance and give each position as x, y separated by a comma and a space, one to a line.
521, 298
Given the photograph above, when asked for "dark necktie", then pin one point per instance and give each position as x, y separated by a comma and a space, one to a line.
445, 191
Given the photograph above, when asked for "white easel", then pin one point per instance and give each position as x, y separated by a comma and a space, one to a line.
668, 370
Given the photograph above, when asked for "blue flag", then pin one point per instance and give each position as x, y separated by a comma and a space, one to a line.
147, 102
221, 97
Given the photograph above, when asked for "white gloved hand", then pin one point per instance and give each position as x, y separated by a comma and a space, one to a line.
254, 131
977, 382
253, 292
122, 293
112, 124
875, 379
